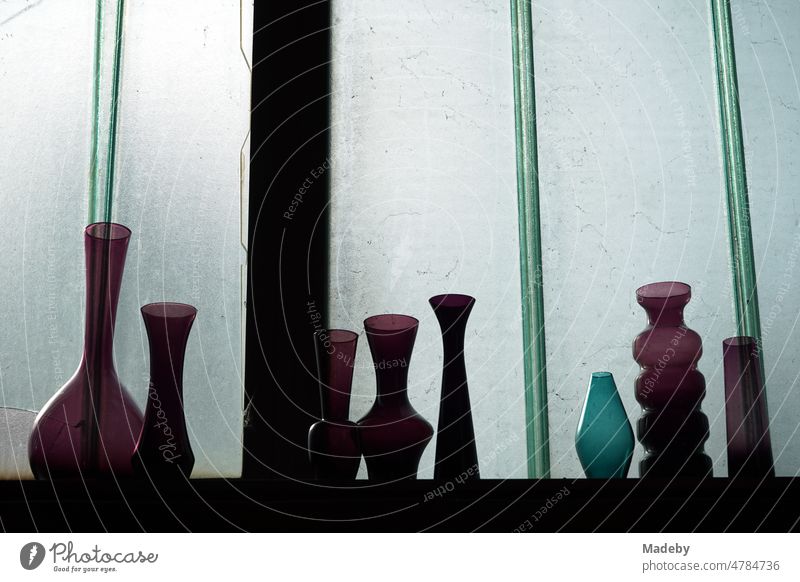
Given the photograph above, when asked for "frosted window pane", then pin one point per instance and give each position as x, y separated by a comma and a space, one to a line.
631, 193
424, 201
183, 122
767, 54
184, 117
45, 116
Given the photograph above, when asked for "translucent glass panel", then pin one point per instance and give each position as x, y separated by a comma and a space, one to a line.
424, 201
184, 117
45, 116
183, 121
631, 193
767, 41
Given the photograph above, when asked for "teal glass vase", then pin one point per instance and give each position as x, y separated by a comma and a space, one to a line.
604, 439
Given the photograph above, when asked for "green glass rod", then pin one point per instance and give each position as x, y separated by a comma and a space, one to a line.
105, 97
533, 338
733, 162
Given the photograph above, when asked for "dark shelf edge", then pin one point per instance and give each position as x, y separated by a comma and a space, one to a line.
425, 505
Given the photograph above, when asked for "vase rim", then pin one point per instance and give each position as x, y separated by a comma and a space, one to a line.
340, 336
739, 340
390, 323
663, 290
107, 231
601, 374
169, 309
451, 300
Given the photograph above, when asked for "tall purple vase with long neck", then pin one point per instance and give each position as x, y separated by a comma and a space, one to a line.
393, 435
746, 417
90, 426
163, 450
670, 388
455, 435
333, 447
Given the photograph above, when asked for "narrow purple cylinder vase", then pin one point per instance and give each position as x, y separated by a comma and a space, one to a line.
393, 435
746, 416
455, 435
163, 450
670, 388
333, 447
89, 427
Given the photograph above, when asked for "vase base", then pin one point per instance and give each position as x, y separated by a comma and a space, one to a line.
668, 466
334, 450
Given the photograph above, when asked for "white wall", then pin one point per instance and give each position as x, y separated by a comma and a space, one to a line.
424, 200
631, 193
767, 36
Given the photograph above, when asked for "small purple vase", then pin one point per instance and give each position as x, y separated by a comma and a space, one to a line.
163, 450
670, 388
333, 446
393, 435
455, 436
89, 427
746, 417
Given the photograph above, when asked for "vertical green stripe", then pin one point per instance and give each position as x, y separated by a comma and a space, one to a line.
533, 337
114, 105
105, 96
741, 240
94, 168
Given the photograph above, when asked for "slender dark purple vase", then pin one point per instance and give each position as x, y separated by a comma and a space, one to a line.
455, 435
746, 417
89, 427
670, 388
163, 450
393, 436
333, 447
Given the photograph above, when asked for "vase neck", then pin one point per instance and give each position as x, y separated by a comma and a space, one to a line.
392, 384
336, 352
452, 312
664, 302
335, 390
391, 349
663, 316
105, 262
168, 326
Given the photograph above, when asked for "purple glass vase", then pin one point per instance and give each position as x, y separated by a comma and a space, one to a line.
89, 427
163, 449
670, 388
333, 446
455, 435
746, 417
393, 436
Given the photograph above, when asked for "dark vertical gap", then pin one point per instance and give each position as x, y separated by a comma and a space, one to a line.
288, 233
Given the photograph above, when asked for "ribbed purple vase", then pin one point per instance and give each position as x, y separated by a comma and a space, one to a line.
746, 417
163, 449
393, 435
90, 426
670, 388
455, 435
333, 447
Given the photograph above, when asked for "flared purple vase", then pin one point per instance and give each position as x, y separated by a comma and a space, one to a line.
670, 388
455, 435
333, 446
163, 449
90, 426
393, 436
746, 416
